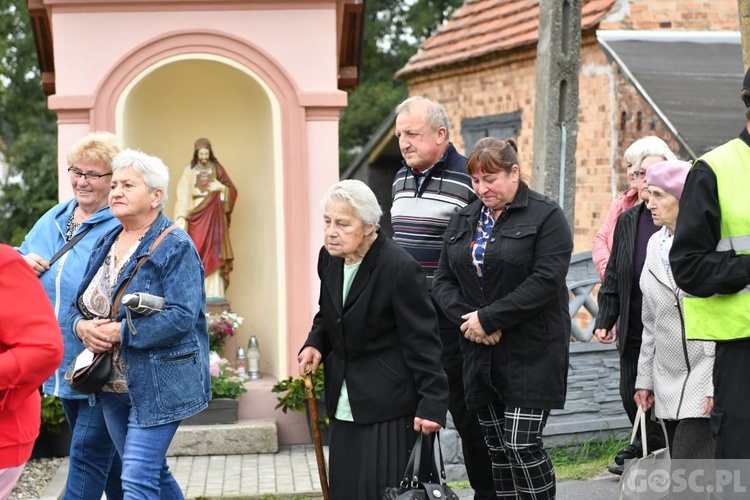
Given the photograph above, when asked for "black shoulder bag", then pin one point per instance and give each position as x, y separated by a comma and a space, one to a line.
411, 488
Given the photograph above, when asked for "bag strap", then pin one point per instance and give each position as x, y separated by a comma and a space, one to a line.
411, 474
75, 239
640, 423
644, 436
118, 296
412, 466
442, 464
417, 461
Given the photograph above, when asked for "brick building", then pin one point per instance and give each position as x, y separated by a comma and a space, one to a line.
667, 68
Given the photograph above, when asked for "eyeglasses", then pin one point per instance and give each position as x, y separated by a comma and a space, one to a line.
91, 176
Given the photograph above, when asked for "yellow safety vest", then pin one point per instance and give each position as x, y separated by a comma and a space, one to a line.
726, 317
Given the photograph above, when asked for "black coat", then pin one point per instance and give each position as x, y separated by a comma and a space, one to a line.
384, 340
614, 294
524, 295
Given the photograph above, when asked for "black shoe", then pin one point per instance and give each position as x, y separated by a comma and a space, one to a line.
632, 451
615, 468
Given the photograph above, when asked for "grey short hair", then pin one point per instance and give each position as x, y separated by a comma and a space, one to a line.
645, 147
155, 172
359, 196
435, 115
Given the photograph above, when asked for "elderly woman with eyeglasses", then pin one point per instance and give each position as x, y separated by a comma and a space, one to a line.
160, 371
603, 240
94, 464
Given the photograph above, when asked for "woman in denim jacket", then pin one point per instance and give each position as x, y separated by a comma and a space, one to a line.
160, 369
501, 277
94, 463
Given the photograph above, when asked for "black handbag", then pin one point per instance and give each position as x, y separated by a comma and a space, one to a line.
92, 377
411, 488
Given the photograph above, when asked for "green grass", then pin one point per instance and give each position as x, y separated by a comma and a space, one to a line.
587, 460
577, 462
459, 485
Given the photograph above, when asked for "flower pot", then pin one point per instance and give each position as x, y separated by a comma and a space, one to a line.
49, 445
219, 411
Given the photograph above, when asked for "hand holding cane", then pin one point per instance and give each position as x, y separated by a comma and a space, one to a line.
312, 406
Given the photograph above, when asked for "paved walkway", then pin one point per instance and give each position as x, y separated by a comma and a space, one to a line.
292, 473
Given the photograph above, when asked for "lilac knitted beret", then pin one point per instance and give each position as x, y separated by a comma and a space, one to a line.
669, 175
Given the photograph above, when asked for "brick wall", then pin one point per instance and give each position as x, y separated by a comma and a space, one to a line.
597, 143
612, 113
611, 116
718, 15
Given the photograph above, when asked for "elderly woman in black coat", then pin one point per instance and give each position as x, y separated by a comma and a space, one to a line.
501, 277
377, 332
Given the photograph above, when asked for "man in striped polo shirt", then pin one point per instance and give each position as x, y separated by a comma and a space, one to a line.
429, 188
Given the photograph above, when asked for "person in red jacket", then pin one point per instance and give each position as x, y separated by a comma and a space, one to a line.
30, 351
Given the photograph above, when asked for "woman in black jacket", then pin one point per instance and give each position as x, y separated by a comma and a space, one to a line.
501, 277
377, 332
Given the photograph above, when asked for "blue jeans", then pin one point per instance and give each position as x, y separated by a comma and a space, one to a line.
94, 463
145, 473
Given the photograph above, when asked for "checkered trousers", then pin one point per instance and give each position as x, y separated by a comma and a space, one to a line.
521, 467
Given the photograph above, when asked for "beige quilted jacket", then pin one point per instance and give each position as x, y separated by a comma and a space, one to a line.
677, 370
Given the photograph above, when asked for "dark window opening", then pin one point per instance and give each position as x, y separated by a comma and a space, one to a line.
500, 126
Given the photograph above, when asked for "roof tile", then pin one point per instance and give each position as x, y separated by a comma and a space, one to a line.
482, 27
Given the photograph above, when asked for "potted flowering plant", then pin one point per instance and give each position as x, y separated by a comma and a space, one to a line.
226, 388
220, 327
225, 381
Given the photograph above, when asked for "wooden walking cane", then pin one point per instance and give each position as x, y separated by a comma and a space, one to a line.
313, 407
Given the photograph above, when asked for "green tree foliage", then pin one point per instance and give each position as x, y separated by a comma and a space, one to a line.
393, 31
27, 128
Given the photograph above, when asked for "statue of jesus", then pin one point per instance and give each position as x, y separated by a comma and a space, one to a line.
205, 199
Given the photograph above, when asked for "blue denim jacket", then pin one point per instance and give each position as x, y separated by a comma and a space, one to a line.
166, 355
63, 277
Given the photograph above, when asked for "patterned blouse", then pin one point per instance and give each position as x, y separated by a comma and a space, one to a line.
479, 244
96, 302
71, 226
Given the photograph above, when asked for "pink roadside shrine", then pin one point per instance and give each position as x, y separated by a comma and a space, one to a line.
263, 80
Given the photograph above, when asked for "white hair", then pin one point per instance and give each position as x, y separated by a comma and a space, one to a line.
645, 147
359, 196
155, 172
